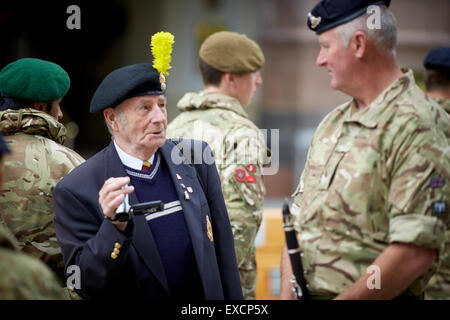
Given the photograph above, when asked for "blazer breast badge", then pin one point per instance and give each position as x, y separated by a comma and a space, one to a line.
209, 232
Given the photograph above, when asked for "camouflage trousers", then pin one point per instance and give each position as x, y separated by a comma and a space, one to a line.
248, 282
438, 288
248, 276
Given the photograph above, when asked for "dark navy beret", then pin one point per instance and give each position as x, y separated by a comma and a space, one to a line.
3, 146
124, 83
438, 59
328, 14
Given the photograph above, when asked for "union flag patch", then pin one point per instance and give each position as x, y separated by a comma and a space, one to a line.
438, 182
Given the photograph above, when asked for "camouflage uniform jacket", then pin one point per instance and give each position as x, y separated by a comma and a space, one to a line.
36, 164
22, 276
439, 285
240, 152
373, 177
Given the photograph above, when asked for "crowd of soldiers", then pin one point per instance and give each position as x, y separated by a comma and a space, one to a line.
374, 190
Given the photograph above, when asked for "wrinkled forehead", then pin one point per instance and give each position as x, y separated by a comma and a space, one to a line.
148, 99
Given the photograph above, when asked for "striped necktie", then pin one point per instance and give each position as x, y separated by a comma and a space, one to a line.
146, 166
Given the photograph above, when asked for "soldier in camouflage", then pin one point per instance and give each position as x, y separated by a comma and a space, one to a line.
22, 276
216, 115
371, 206
437, 82
38, 159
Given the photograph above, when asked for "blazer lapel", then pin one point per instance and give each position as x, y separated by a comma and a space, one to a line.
143, 240
191, 206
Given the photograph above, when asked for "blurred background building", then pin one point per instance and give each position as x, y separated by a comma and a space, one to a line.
295, 95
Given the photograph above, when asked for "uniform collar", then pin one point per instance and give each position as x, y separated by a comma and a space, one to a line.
129, 160
444, 103
30, 121
371, 114
210, 100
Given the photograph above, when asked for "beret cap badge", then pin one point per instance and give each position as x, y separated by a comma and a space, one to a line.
315, 21
328, 14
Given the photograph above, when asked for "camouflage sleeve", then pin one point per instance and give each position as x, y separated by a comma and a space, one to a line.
243, 188
419, 194
26, 278
298, 193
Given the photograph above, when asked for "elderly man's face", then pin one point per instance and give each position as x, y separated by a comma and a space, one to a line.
337, 58
142, 122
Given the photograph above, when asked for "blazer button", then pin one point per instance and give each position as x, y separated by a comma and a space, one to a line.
117, 245
116, 251
113, 255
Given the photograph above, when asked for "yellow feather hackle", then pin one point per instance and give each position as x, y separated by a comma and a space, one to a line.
161, 47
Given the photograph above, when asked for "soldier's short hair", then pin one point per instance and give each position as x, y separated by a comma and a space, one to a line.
435, 80
384, 38
8, 103
210, 75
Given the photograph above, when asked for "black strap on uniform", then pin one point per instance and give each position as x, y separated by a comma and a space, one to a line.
298, 280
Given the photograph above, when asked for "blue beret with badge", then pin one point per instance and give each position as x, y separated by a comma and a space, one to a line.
438, 59
328, 14
124, 83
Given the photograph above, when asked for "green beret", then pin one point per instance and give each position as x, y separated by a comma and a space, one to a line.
232, 52
34, 80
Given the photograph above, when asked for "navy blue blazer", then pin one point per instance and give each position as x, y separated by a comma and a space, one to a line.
87, 239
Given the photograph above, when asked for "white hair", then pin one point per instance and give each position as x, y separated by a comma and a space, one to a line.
384, 37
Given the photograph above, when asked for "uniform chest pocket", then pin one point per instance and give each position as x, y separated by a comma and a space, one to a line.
329, 170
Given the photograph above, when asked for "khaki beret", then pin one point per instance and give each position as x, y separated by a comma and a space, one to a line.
231, 52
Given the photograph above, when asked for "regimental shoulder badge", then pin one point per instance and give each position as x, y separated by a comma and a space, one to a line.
251, 179
209, 231
251, 168
240, 174
439, 208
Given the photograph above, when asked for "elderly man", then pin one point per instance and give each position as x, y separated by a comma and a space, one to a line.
371, 207
217, 116
437, 82
31, 92
186, 250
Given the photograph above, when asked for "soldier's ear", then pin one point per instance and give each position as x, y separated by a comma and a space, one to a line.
230, 79
40, 106
358, 44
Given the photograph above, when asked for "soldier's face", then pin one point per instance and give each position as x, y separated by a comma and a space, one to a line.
336, 57
141, 123
55, 110
246, 87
